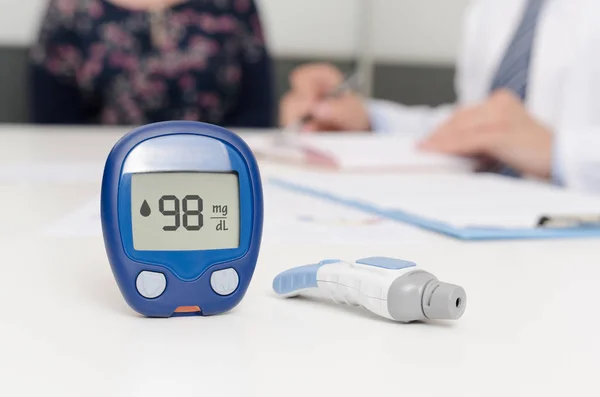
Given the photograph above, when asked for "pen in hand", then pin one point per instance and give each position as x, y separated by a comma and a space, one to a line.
350, 83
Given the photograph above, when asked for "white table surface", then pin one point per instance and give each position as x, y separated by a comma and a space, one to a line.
531, 327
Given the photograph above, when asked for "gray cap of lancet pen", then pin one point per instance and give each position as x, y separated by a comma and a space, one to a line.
443, 301
419, 296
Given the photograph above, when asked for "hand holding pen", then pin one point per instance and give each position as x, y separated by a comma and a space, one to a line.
321, 100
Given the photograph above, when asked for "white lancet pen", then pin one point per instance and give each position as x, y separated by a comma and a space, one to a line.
392, 288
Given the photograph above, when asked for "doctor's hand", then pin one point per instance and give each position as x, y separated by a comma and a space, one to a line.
310, 85
500, 129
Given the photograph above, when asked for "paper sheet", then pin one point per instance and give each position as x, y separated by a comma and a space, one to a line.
51, 173
460, 200
360, 152
299, 219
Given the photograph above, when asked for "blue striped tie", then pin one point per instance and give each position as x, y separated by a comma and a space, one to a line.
513, 72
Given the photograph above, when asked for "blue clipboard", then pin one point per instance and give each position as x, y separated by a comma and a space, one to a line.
467, 233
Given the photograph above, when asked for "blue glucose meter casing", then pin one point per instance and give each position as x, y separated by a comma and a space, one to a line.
182, 218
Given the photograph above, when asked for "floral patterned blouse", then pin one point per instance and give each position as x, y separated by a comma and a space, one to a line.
96, 62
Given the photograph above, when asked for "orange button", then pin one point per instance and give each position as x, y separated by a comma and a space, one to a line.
187, 309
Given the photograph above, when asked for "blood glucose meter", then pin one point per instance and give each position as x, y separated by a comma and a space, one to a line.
182, 216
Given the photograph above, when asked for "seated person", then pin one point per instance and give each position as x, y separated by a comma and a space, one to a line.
134, 62
532, 110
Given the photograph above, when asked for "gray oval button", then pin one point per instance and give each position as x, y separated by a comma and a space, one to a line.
225, 281
150, 284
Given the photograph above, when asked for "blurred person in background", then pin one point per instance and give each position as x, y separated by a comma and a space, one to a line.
133, 62
528, 86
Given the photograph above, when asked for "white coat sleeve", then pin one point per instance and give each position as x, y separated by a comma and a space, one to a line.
576, 162
390, 117
393, 117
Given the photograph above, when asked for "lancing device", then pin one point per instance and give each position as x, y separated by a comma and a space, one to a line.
392, 288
